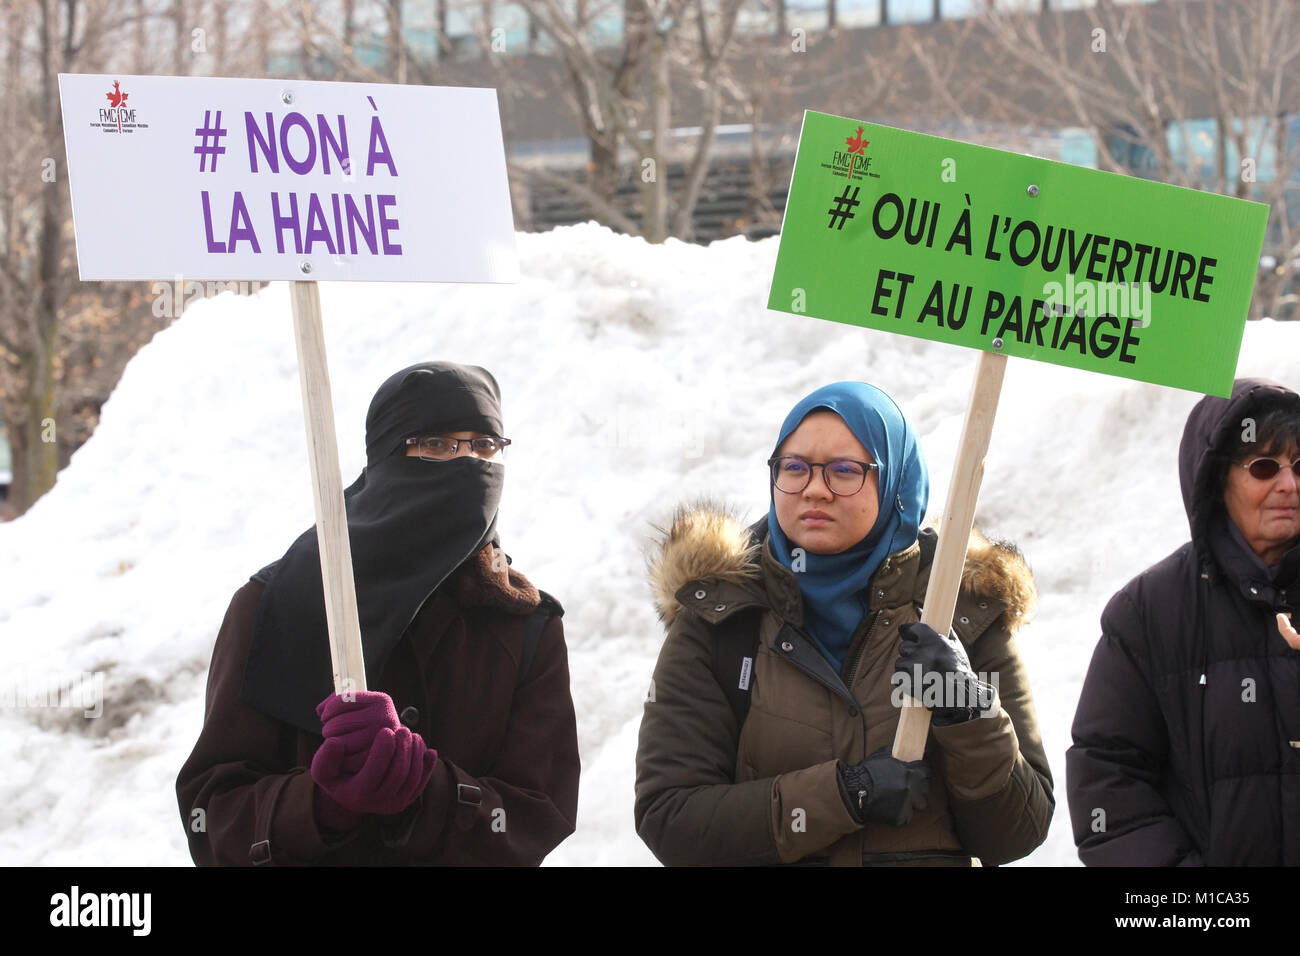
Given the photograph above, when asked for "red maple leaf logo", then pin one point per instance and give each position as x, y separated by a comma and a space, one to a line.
856, 143
116, 98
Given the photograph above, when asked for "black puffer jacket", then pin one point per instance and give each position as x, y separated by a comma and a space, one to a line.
1187, 734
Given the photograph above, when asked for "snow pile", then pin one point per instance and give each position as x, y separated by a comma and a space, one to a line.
633, 377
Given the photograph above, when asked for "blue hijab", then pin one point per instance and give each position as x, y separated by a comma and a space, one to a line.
834, 586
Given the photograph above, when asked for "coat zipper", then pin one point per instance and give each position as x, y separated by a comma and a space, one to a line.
857, 657
849, 673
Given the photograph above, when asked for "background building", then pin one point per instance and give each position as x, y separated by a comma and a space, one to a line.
657, 118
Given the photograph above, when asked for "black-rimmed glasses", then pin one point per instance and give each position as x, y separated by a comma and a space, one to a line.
843, 476
444, 449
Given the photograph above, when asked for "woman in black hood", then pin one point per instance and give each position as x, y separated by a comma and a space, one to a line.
1187, 734
411, 522
460, 651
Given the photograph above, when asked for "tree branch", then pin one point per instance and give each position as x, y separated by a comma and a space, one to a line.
609, 215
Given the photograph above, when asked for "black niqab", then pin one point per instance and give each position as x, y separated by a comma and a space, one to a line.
411, 523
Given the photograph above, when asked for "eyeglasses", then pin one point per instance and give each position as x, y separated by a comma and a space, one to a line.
843, 476
444, 449
1265, 468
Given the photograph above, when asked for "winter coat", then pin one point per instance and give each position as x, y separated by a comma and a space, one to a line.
709, 792
1187, 733
505, 786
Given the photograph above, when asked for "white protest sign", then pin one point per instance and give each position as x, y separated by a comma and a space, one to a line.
291, 179
215, 178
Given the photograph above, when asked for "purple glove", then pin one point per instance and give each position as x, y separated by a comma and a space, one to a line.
395, 770
355, 722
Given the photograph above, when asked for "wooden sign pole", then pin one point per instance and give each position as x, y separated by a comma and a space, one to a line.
327, 490
954, 533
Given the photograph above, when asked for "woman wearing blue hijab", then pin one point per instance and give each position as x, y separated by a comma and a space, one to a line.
791, 646
839, 556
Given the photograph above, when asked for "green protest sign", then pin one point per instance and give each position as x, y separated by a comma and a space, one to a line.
1031, 258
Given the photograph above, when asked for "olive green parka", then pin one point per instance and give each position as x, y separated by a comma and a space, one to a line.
711, 793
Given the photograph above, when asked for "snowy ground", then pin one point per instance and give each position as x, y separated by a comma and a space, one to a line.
633, 377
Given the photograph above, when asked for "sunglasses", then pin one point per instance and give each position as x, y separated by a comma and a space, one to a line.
1265, 468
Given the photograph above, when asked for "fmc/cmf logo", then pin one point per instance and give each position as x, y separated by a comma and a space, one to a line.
852, 162
117, 117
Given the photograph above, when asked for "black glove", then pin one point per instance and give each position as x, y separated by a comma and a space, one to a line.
883, 789
949, 688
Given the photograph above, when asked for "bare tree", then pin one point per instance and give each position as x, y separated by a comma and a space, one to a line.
1152, 83
622, 96
46, 35
604, 90
63, 343
707, 61
625, 100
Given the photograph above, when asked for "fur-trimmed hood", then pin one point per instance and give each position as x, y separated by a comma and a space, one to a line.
706, 541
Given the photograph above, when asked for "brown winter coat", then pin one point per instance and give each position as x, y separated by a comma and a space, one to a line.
505, 786
708, 792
